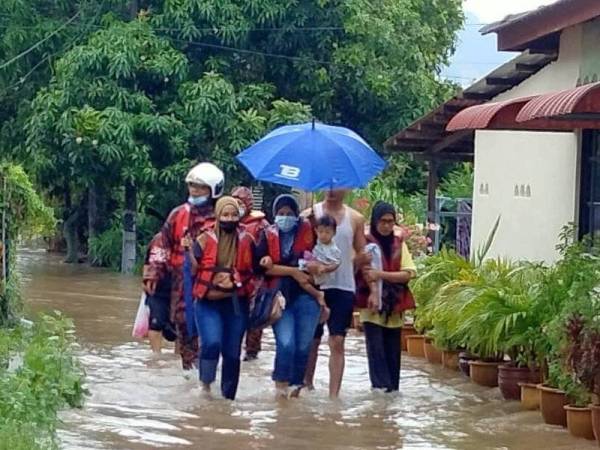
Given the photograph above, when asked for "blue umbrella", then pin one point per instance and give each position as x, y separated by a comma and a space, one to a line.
312, 157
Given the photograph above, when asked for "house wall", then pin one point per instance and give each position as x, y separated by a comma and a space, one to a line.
542, 166
528, 183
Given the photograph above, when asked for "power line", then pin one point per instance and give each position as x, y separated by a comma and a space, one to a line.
251, 52
66, 48
37, 44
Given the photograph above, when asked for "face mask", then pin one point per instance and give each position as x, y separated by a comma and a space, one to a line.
229, 226
242, 211
198, 201
285, 223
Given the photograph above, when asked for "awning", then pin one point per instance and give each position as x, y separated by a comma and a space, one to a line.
567, 110
489, 115
580, 103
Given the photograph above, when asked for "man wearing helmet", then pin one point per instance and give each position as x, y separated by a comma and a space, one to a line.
254, 222
205, 184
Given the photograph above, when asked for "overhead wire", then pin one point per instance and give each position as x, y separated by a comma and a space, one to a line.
40, 42
66, 48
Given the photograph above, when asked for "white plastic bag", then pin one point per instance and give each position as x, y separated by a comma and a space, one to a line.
377, 264
142, 319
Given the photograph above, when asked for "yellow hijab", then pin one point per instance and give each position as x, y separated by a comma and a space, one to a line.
227, 250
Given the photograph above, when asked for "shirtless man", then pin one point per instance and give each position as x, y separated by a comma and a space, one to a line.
340, 289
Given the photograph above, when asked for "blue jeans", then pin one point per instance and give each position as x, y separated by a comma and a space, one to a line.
293, 338
221, 331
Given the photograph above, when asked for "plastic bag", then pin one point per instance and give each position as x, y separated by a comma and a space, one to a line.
377, 264
142, 319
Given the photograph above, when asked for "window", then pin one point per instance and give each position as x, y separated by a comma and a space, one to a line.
589, 211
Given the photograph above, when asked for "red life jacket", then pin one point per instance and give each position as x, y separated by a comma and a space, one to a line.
254, 223
242, 273
182, 221
406, 300
304, 241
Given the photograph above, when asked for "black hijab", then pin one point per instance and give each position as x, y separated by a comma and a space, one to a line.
386, 242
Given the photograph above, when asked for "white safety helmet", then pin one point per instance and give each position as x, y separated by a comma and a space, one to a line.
209, 175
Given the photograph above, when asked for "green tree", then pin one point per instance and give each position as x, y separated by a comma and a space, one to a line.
22, 214
370, 65
122, 113
129, 104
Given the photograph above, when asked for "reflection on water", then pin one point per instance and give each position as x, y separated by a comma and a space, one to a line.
138, 402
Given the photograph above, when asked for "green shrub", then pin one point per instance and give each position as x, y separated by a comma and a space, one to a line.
39, 375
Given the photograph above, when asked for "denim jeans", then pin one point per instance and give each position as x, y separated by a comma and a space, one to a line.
293, 338
221, 331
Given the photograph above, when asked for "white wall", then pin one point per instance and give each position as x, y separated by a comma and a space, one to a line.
557, 76
544, 171
546, 162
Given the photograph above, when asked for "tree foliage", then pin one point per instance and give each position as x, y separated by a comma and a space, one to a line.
113, 99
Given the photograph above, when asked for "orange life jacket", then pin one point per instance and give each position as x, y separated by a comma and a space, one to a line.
242, 273
182, 223
304, 241
405, 300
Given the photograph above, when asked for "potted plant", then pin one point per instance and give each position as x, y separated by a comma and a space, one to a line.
579, 414
583, 360
552, 398
490, 307
450, 349
434, 272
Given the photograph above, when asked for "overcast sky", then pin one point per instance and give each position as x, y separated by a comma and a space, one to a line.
476, 55
492, 10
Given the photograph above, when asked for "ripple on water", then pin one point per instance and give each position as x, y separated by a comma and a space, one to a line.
138, 402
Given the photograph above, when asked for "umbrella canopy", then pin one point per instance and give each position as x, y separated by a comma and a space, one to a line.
313, 157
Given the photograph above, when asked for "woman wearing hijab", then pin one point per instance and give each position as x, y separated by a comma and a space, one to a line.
254, 222
283, 244
223, 262
383, 296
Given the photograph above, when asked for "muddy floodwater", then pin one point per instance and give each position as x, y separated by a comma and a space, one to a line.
138, 402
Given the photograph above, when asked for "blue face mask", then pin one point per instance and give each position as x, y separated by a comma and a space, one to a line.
198, 201
285, 223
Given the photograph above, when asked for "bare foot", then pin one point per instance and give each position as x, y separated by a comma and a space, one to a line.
281, 390
295, 392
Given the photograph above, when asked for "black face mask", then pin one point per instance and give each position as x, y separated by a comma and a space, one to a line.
229, 227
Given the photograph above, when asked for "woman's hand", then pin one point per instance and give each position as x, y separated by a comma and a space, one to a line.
363, 258
223, 280
373, 302
314, 267
266, 262
187, 241
150, 286
325, 313
372, 275
301, 277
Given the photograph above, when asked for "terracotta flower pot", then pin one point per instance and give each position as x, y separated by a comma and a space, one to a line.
596, 421
450, 360
530, 396
407, 330
416, 345
579, 422
432, 353
463, 362
552, 403
510, 376
484, 373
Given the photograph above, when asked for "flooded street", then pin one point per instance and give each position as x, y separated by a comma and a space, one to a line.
138, 402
